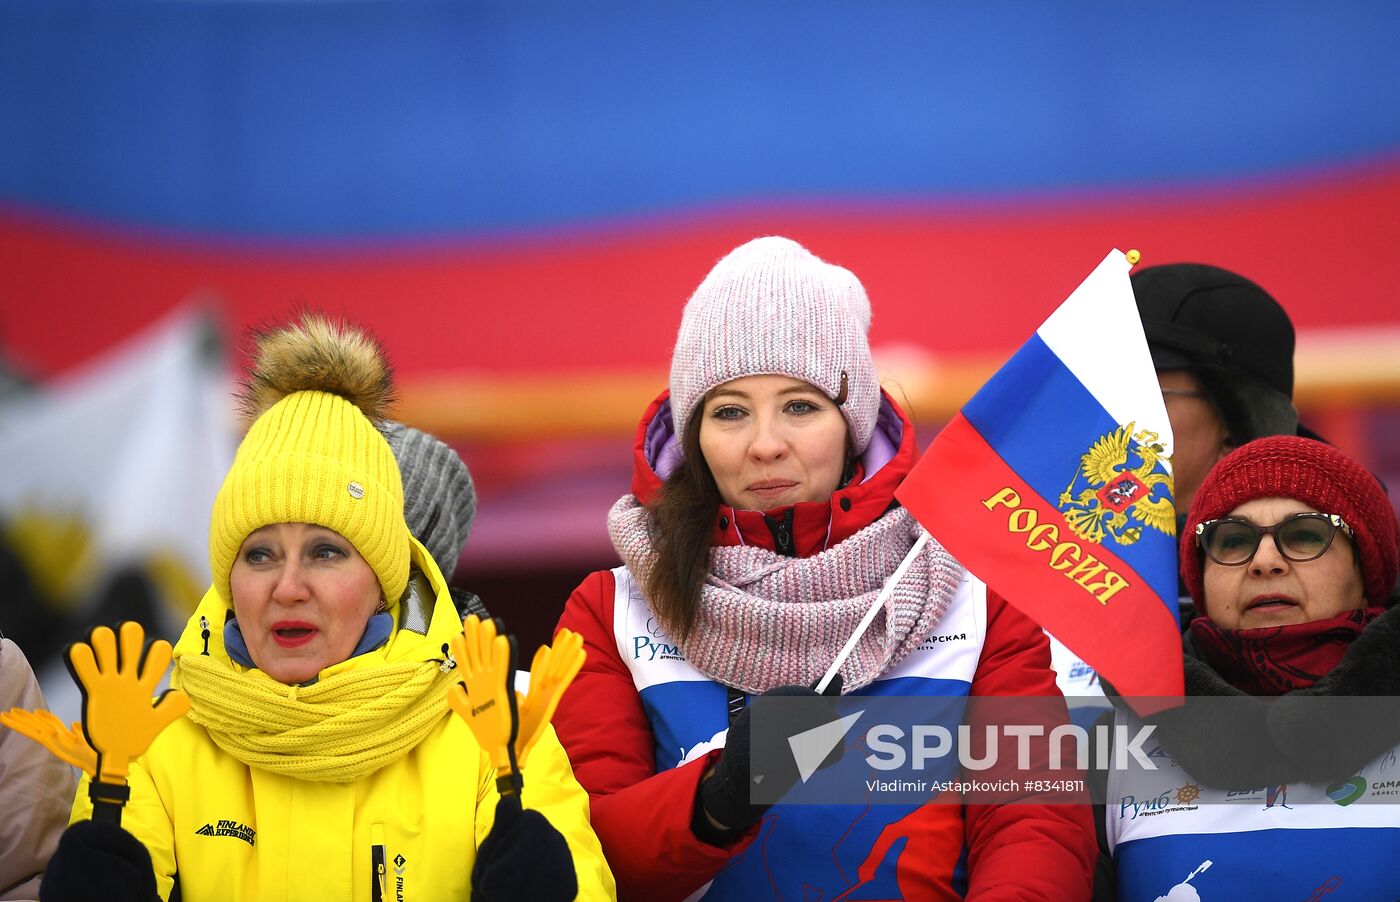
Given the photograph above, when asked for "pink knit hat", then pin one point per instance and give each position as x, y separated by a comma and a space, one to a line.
1320, 476
771, 307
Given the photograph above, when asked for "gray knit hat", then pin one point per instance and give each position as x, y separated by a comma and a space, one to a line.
439, 499
773, 308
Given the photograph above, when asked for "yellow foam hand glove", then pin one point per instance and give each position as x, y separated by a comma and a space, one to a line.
485, 698
553, 669
119, 720
67, 744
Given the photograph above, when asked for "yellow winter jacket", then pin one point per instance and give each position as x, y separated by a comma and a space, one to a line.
409, 831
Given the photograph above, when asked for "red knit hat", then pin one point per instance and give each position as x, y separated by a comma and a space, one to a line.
1320, 476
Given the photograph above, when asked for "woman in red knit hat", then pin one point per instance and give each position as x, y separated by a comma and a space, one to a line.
1290, 554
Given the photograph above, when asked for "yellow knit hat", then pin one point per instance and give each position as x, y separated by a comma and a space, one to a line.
313, 454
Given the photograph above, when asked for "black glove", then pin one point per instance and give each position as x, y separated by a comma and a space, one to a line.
99, 862
725, 795
523, 857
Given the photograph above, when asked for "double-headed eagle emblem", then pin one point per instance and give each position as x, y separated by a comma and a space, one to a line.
1122, 485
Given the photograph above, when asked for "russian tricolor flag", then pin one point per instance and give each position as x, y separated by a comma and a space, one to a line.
1053, 485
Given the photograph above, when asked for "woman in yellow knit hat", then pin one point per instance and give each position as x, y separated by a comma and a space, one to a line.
318, 759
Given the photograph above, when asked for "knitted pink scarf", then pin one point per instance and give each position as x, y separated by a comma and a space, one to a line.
767, 620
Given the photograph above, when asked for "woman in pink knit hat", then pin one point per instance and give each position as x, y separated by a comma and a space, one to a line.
760, 528
1278, 778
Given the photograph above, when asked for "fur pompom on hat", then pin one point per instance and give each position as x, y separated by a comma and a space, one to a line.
1315, 473
315, 397
771, 307
439, 497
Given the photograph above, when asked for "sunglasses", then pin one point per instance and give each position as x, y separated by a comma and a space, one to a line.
1298, 537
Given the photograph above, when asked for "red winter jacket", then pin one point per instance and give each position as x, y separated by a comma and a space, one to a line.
643, 818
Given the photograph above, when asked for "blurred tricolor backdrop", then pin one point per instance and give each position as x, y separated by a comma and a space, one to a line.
518, 197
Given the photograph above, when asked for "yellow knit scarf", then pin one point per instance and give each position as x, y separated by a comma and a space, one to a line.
337, 730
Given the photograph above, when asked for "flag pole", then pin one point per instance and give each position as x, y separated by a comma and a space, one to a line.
869, 617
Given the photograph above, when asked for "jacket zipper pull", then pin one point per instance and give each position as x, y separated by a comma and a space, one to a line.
380, 884
782, 534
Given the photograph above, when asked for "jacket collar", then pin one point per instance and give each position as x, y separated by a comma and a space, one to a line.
814, 525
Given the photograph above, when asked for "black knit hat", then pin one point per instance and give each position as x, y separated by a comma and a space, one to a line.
1197, 316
